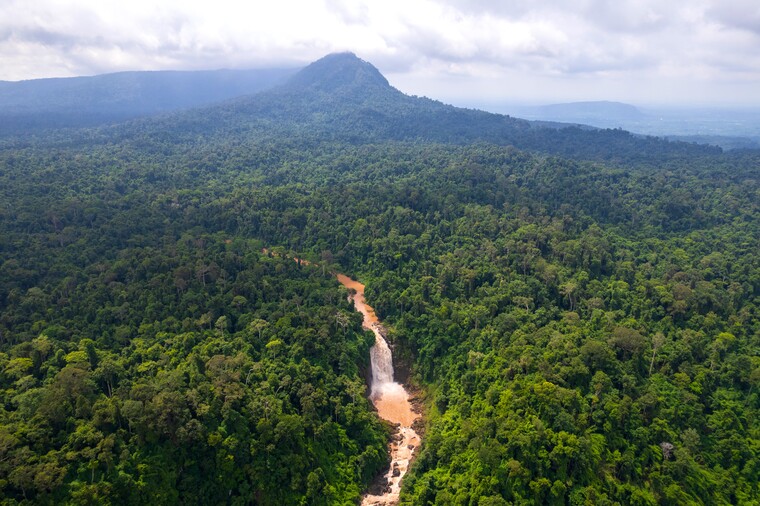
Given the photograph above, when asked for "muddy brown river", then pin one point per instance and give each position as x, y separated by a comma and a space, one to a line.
390, 399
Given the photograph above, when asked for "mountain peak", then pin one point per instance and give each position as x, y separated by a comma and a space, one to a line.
339, 70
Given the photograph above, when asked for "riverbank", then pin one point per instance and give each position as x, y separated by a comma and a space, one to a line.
392, 401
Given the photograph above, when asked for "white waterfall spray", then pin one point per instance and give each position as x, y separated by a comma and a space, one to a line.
381, 360
390, 399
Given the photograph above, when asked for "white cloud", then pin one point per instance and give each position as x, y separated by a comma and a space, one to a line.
741, 14
588, 47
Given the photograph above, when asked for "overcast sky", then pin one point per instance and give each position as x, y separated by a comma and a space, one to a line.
461, 51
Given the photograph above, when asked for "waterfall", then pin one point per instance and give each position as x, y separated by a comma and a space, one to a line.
390, 399
382, 363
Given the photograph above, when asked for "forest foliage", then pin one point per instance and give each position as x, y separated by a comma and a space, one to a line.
586, 329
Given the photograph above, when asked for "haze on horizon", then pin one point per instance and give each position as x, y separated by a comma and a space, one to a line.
466, 52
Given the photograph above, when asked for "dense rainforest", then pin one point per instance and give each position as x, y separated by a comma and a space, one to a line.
580, 308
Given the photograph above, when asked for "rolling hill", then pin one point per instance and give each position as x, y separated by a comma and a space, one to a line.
339, 96
87, 101
344, 98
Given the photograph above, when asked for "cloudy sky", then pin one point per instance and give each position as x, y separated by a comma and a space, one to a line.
462, 51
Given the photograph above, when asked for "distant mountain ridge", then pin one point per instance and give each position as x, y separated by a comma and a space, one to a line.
344, 98
600, 108
730, 129
87, 101
600, 114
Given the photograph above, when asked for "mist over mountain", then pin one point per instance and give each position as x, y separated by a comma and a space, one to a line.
344, 98
87, 101
588, 112
328, 86
727, 128
340, 96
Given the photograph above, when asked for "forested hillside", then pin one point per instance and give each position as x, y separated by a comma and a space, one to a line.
41, 105
584, 329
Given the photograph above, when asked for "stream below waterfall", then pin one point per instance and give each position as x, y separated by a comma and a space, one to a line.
390, 399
